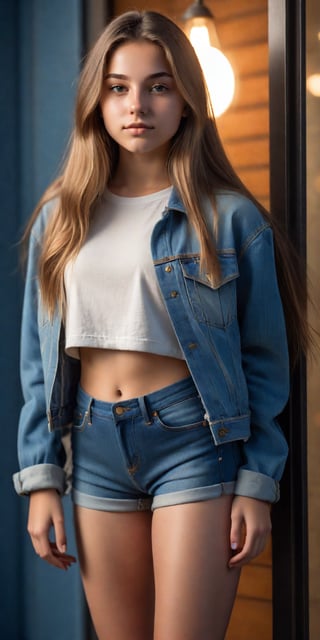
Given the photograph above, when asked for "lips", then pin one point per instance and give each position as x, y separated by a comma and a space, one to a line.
138, 125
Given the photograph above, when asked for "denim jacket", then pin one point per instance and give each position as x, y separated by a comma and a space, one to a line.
231, 331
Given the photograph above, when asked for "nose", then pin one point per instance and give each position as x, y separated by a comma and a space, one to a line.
138, 103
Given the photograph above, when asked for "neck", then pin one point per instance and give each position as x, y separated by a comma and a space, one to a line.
139, 175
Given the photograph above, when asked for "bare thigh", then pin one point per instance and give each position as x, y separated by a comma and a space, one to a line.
195, 589
116, 566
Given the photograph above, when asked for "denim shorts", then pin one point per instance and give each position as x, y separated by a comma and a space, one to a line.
148, 452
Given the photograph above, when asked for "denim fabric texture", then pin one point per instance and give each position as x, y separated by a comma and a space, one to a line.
148, 452
231, 331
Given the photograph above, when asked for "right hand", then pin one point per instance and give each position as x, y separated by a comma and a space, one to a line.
45, 511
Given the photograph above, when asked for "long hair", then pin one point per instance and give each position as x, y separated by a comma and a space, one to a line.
197, 166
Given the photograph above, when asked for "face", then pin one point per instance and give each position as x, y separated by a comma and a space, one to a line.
140, 104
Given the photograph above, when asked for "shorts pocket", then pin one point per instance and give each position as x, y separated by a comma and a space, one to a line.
80, 420
184, 415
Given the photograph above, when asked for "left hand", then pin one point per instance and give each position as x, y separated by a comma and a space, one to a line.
250, 529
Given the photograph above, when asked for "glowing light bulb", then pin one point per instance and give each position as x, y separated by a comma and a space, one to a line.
313, 84
199, 37
217, 70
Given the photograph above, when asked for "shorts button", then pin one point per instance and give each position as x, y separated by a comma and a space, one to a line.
119, 410
168, 268
222, 432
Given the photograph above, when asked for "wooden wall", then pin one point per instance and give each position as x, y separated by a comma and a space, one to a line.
243, 30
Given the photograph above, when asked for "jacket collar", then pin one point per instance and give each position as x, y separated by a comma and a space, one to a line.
175, 202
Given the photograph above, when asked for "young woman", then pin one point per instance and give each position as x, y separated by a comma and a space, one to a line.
153, 330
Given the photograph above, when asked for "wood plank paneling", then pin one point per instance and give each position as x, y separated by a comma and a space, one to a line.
251, 620
252, 91
249, 60
241, 30
223, 9
256, 583
257, 180
249, 153
239, 124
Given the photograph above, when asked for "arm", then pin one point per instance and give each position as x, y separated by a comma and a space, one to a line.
41, 454
266, 368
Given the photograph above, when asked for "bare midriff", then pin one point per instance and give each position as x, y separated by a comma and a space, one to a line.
113, 375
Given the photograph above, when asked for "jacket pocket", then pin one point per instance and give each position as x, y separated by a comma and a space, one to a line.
213, 303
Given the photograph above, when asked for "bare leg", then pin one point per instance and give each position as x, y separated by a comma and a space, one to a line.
195, 589
116, 566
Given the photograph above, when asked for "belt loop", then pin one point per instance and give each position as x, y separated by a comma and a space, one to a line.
144, 409
88, 412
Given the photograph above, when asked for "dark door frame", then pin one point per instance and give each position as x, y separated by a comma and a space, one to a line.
288, 204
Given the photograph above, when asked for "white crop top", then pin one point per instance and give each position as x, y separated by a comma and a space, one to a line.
113, 297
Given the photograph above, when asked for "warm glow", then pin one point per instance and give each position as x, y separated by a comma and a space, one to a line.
313, 84
199, 37
217, 70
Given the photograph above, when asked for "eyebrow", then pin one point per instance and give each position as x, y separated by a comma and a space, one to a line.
158, 74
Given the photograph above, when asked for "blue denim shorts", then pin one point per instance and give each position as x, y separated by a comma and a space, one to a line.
148, 452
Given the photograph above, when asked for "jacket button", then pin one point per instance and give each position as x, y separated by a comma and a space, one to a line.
173, 294
192, 345
222, 432
168, 268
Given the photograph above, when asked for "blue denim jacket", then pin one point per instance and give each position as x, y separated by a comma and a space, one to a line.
231, 331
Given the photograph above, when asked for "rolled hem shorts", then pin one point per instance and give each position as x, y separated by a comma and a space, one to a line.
148, 452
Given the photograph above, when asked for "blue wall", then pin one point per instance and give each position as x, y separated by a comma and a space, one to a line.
10, 544
40, 48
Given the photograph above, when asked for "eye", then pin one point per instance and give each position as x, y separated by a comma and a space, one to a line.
117, 88
159, 88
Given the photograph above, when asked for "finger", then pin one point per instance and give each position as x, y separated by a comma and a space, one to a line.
56, 562
43, 550
251, 549
64, 556
60, 533
40, 541
57, 559
236, 534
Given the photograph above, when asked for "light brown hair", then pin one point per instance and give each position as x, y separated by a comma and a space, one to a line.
197, 166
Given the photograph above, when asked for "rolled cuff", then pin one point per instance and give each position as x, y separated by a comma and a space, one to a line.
257, 485
39, 476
